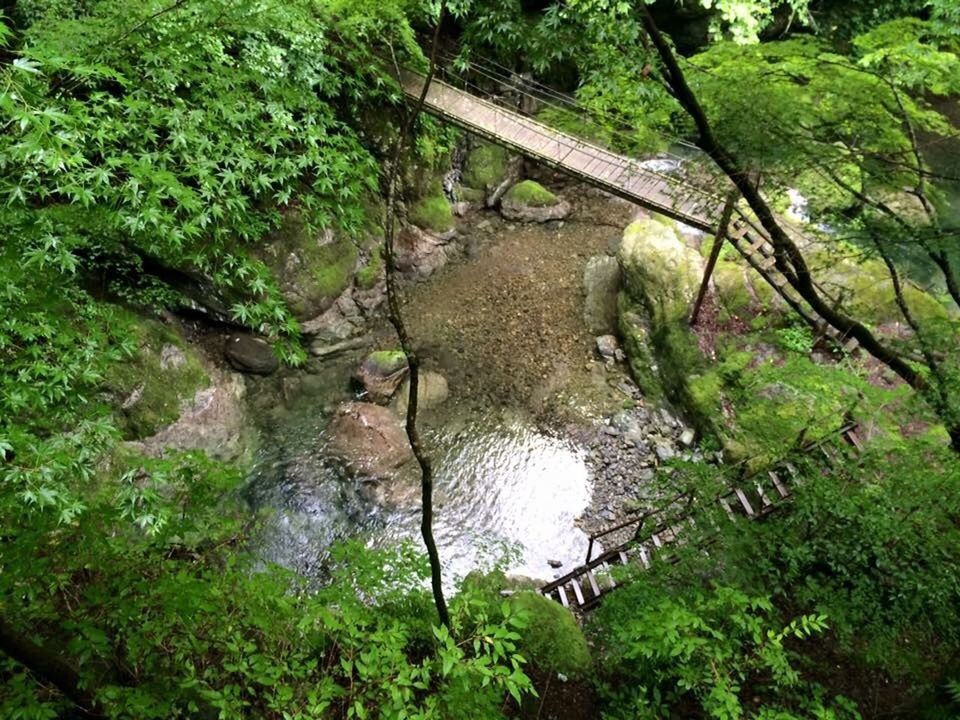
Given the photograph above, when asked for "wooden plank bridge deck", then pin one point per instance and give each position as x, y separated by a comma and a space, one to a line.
628, 178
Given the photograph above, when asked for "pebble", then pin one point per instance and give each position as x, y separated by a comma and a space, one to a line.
686, 438
554, 564
664, 452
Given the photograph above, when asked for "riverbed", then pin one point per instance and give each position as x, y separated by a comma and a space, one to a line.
521, 442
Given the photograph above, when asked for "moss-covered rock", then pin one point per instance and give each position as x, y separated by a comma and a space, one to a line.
432, 213
485, 167
150, 388
732, 287
659, 269
552, 639
470, 195
532, 193
371, 272
312, 268
529, 201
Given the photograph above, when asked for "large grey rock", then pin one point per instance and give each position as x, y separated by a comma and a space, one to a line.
381, 373
529, 201
601, 283
419, 253
214, 421
370, 439
432, 391
250, 354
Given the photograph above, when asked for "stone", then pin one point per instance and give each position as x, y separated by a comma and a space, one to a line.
381, 373
312, 268
660, 269
607, 346
213, 421
687, 437
249, 354
601, 283
529, 201
172, 357
418, 253
433, 390
554, 564
370, 439
664, 452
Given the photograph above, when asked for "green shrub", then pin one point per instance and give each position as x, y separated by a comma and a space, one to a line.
552, 639
432, 213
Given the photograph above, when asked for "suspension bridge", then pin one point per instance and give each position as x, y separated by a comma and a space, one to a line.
673, 195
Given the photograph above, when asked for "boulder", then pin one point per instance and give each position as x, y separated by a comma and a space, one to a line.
213, 420
607, 346
488, 171
381, 373
601, 283
432, 391
419, 253
370, 439
149, 388
528, 201
250, 354
660, 269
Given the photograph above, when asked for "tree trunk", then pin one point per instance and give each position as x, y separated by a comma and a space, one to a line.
413, 361
47, 667
788, 257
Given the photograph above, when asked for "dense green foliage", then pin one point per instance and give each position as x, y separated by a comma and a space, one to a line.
148, 142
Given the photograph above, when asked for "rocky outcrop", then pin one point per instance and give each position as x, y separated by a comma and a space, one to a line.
249, 354
213, 420
370, 439
381, 373
419, 253
312, 268
601, 283
528, 201
149, 388
659, 268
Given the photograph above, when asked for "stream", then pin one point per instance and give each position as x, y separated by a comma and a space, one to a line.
504, 324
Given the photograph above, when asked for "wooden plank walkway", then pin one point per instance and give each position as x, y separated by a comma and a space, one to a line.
625, 177
676, 522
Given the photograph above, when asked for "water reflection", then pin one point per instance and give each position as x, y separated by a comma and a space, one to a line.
503, 489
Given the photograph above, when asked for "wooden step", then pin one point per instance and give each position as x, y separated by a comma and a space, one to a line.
744, 503
577, 591
778, 484
563, 597
592, 579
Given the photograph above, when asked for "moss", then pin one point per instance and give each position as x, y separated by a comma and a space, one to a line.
532, 194
388, 361
432, 213
310, 267
732, 288
485, 167
369, 274
161, 376
469, 194
552, 640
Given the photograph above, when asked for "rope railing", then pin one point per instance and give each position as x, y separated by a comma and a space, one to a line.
630, 169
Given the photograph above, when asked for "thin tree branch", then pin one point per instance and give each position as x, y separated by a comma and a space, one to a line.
396, 319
